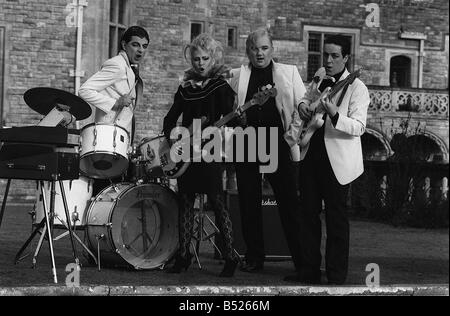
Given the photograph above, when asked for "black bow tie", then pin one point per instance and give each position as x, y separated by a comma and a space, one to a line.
327, 82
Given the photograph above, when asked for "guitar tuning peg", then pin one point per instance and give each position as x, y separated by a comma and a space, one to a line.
269, 86
263, 88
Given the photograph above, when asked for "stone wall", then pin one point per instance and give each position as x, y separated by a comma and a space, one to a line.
40, 47
40, 52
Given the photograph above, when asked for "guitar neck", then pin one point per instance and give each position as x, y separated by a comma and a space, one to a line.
225, 119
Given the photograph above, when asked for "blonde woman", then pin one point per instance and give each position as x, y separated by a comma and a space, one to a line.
203, 93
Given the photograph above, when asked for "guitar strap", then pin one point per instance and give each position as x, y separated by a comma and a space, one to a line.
341, 97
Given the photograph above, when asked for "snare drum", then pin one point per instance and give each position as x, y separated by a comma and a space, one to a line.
104, 150
134, 225
78, 196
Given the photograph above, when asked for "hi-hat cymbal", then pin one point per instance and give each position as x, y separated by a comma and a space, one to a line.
43, 100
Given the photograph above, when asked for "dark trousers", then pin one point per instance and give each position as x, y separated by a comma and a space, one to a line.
284, 186
317, 182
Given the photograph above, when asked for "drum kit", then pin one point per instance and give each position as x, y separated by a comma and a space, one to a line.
128, 224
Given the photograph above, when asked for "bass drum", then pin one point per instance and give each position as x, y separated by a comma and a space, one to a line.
78, 196
133, 225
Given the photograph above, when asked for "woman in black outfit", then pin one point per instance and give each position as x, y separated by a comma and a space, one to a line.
203, 93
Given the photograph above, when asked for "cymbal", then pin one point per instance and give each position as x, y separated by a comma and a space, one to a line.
43, 100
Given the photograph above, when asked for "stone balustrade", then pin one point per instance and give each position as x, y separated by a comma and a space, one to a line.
424, 101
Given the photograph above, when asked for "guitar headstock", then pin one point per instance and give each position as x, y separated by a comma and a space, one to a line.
347, 81
267, 91
355, 74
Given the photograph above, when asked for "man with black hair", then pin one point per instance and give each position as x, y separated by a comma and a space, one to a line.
116, 89
329, 163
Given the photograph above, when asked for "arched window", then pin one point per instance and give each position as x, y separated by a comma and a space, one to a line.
425, 148
400, 75
416, 148
373, 148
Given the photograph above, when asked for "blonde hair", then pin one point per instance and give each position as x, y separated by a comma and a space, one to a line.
208, 44
253, 36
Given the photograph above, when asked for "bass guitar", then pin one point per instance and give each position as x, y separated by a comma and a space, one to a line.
317, 120
159, 149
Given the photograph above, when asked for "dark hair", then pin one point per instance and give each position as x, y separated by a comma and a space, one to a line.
134, 31
339, 40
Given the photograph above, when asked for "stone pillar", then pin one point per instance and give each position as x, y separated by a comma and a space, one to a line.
436, 193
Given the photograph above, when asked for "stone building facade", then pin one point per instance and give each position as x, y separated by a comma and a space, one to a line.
40, 44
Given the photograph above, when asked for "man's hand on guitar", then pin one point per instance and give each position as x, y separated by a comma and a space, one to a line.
328, 106
305, 112
241, 118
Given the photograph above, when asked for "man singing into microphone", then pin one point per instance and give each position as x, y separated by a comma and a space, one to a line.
330, 162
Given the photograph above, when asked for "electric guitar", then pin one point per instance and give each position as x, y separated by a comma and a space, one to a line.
161, 148
317, 120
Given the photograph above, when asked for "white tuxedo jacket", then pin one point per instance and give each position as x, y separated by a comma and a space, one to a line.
290, 90
104, 88
343, 142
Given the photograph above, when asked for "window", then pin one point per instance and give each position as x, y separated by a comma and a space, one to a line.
196, 29
2, 69
400, 73
118, 21
315, 51
314, 54
232, 37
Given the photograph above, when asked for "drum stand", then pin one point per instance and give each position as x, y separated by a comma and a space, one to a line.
47, 230
201, 234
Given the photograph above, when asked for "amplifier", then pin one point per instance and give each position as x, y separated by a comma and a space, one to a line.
38, 162
274, 240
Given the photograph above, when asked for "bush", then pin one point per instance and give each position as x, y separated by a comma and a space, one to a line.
399, 198
371, 202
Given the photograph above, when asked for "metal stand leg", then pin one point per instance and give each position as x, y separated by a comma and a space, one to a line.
198, 234
4, 201
18, 257
202, 234
99, 237
38, 248
76, 237
196, 255
42, 225
69, 227
47, 222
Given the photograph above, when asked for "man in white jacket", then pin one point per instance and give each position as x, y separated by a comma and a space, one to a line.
275, 113
116, 89
330, 162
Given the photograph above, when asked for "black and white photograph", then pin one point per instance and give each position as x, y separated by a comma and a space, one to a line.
224, 154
